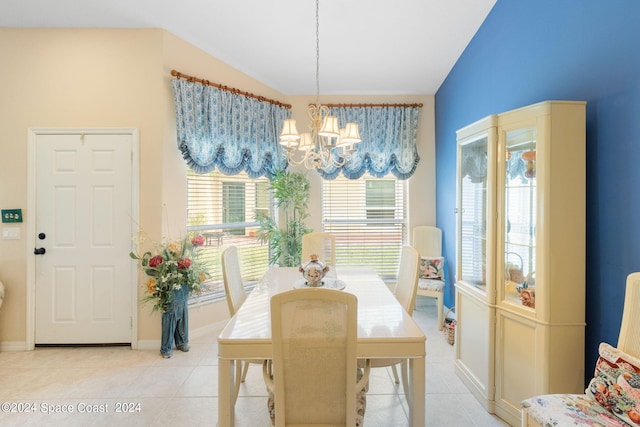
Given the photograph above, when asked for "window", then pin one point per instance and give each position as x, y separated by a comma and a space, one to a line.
263, 200
233, 205
223, 209
368, 216
381, 198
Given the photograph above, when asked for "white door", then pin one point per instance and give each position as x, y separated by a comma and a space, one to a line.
83, 226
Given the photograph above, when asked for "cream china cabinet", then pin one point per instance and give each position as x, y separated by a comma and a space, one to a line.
520, 280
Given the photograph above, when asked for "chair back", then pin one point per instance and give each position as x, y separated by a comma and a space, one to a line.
321, 244
314, 333
629, 338
428, 241
407, 285
232, 277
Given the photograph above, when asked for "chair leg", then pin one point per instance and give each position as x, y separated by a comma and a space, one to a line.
237, 377
395, 374
244, 371
440, 310
405, 381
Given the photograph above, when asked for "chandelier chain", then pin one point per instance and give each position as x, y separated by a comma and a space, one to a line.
326, 146
317, 51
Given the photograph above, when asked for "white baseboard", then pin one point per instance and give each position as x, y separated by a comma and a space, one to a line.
14, 346
149, 345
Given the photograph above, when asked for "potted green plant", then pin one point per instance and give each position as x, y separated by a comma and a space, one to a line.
291, 194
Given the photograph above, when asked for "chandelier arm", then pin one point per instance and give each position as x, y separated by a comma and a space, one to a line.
291, 158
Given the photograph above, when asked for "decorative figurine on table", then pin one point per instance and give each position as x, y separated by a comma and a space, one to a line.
313, 271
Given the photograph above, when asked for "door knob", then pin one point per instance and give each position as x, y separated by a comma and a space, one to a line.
39, 251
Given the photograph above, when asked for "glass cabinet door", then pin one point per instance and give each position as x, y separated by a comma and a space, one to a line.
519, 218
474, 176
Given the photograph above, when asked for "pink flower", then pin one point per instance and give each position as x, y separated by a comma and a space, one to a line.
197, 240
184, 263
155, 261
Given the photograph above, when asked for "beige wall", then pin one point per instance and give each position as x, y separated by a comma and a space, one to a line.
120, 78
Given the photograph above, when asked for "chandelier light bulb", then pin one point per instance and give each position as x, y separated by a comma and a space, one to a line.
351, 134
330, 127
289, 136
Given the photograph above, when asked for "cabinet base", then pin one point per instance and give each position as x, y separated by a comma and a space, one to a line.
479, 392
509, 416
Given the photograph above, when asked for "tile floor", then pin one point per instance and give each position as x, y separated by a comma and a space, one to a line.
117, 386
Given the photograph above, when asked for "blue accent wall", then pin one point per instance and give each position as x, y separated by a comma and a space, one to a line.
529, 51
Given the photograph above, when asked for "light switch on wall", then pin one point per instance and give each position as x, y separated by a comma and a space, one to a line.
11, 233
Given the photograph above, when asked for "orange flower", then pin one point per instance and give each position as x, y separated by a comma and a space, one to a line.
151, 285
175, 247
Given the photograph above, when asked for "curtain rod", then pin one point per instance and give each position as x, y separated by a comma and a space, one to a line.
180, 75
418, 105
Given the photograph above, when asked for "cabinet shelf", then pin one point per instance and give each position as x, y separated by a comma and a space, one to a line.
521, 245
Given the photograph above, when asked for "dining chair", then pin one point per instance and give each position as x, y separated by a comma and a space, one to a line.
319, 243
236, 294
428, 242
405, 293
313, 378
629, 338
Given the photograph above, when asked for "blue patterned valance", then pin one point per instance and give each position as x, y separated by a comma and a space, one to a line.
233, 132
388, 144
516, 166
474, 162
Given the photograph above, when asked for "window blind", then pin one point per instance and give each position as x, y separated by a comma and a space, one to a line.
222, 208
368, 216
473, 229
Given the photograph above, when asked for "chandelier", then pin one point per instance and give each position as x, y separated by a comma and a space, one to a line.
325, 145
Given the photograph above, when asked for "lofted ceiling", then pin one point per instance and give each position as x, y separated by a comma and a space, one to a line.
367, 47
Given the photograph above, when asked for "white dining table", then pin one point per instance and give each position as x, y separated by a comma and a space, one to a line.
385, 330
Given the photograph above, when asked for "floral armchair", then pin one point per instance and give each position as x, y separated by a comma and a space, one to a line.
612, 397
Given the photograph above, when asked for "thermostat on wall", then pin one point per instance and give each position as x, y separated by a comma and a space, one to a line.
11, 215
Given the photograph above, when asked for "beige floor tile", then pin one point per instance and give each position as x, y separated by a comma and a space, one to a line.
202, 382
158, 381
384, 410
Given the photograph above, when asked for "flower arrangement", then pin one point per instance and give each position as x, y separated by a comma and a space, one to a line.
174, 265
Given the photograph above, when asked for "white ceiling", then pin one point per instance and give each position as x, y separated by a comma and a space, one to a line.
390, 46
